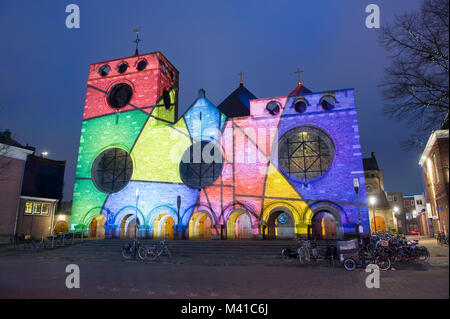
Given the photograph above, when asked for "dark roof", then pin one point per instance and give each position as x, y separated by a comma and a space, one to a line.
300, 89
5, 138
237, 103
370, 164
43, 177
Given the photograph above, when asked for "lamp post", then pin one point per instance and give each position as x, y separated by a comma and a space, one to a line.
356, 187
396, 210
135, 223
372, 201
178, 215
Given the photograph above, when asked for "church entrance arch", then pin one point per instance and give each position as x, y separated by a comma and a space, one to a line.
324, 225
97, 227
127, 226
200, 226
280, 224
239, 225
163, 227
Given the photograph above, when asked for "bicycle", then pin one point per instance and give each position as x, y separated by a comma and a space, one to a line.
131, 249
154, 251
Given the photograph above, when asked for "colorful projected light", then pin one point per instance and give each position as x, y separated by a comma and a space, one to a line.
287, 169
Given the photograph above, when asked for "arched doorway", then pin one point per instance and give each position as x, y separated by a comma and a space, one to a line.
163, 227
127, 227
200, 226
97, 227
324, 226
239, 226
61, 227
280, 225
380, 224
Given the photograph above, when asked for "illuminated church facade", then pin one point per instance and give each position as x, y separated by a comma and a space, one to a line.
278, 167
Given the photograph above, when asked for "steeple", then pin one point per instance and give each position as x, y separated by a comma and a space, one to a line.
299, 89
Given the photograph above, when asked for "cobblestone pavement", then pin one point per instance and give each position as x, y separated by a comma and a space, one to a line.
42, 276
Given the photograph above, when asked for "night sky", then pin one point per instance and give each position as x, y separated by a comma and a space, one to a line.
44, 66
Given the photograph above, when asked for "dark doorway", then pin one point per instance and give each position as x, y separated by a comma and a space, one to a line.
324, 226
280, 225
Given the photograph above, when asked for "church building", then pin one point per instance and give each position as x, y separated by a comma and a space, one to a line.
274, 167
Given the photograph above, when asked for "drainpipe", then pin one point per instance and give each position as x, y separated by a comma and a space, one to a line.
18, 201
53, 216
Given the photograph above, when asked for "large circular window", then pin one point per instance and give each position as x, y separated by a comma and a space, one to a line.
120, 95
305, 152
201, 164
112, 170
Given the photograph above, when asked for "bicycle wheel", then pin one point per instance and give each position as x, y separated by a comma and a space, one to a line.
383, 262
152, 253
423, 254
127, 251
142, 252
284, 254
349, 264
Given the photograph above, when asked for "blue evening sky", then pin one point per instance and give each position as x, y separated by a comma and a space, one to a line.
44, 66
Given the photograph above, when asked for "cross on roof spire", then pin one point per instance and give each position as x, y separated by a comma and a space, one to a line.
241, 76
137, 31
299, 72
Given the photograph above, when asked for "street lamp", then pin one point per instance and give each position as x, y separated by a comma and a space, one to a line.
135, 223
356, 187
372, 201
178, 216
44, 154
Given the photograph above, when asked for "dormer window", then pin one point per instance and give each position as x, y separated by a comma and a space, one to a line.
122, 67
273, 107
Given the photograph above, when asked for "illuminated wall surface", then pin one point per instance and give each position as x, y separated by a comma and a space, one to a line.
256, 189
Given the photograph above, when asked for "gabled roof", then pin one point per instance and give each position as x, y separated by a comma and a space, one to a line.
300, 89
237, 103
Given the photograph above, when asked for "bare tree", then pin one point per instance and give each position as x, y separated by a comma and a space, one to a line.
415, 85
5, 161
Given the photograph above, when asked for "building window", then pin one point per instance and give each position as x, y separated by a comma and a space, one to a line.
369, 188
120, 95
395, 198
196, 171
390, 198
112, 170
419, 202
37, 208
305, 152
28, 208
45, 209
273, 107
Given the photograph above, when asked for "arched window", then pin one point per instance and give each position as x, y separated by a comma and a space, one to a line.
305, 152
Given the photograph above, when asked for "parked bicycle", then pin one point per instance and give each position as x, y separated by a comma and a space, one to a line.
131, 249
154, 251
442, 239
352, 255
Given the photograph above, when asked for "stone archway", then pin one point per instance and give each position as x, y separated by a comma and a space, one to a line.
61, 227
280, 224
239, 225
200, 226
324, 225
97, 227
163, 227
127, 226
